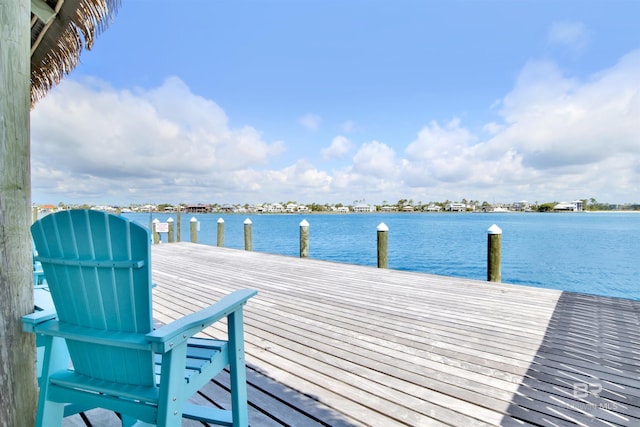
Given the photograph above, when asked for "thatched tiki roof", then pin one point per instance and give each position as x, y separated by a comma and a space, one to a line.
60, 29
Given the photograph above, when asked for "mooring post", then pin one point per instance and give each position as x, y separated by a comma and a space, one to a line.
494, 253
193, 227
170, 230
35, 214
156, 235
383, 245
247, 234
220, 232
178, 225
304, 239
150, 220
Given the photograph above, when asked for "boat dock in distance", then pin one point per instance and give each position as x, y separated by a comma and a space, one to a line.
331, 344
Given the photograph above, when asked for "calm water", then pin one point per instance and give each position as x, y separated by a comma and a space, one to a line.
596, 253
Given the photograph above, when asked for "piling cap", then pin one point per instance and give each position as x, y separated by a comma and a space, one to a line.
247, 222
156, 221
169, 219
193, 219
220, 221
382, 227
494, 229
304, 223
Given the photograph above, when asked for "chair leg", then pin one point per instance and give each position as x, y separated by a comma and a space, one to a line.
171, 393
55, 357
127, 421
50, 414
238, 370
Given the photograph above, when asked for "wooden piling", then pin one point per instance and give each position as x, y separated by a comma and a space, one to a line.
193, 226
383, 245
494, 253
304, 239
220, 232
247, 235
150, 221
178, 226
156, 235
170, 231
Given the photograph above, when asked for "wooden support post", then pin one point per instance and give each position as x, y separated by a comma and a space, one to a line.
220, 241
304, 239
494, 253
247, 235
178, 226
383, 245
34, 213
42, 11
155, 234
193, 225
18, 390
170, 238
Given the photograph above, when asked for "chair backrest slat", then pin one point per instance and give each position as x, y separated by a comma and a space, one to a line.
98, 271
92, 263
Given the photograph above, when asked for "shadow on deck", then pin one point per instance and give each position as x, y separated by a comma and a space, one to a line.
272, 403
587, 370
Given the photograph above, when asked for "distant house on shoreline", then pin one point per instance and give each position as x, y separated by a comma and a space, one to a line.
197, 208
361, 208
456, 207
575, 206
521, 206
47, 208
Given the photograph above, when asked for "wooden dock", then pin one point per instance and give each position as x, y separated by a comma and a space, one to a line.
332, 344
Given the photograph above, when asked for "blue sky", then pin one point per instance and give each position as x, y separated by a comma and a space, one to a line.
337, 101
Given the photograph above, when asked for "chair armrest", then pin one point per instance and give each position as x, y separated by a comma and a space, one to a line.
55, 328
166, 337
31, 321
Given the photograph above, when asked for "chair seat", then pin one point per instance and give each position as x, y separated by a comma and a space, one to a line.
203, 356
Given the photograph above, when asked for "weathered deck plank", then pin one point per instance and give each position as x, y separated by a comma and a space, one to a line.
335, 344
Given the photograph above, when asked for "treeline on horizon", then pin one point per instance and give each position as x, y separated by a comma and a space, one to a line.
471, 205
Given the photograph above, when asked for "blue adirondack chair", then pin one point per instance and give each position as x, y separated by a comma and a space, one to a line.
98, 270
38, 273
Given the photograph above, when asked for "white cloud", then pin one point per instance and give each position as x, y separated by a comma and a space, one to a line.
555, 121
492, 128
375, 159
310, 121
340, 146
571, 35
348, 126
561, 138
557, 137
440, 154
163, 141
304, 175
